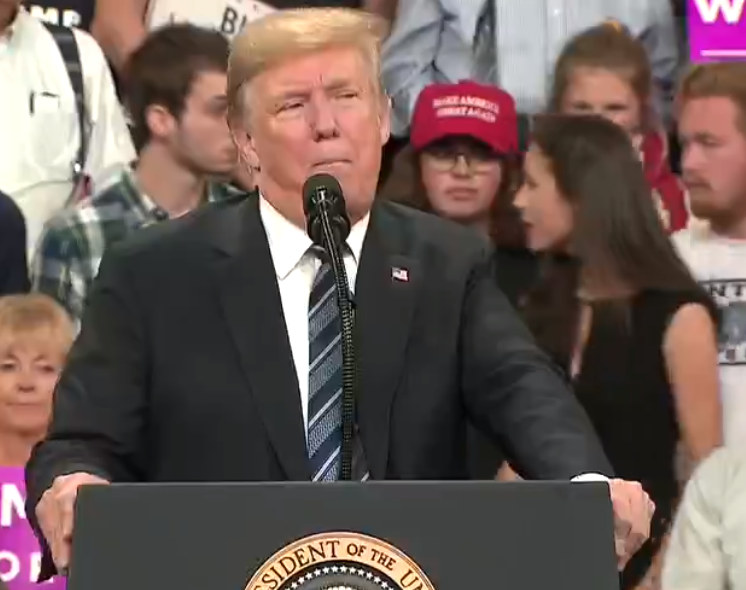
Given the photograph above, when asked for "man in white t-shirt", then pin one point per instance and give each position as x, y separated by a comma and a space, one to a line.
712, 125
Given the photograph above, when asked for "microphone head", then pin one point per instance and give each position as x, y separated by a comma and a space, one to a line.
322, 195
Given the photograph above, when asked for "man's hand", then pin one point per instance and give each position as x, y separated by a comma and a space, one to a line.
55, 513
633, 511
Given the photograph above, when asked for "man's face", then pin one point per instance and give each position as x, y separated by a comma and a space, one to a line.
714, 157
201, 140
322, 112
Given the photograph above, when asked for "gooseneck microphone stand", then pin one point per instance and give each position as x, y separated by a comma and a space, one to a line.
328, 227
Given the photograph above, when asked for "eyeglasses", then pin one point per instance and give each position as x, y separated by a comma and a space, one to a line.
448, 161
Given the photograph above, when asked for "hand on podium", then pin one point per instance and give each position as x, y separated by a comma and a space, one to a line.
55, 513
633, 511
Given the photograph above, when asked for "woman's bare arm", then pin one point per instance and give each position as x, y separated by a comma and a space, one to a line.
691, 353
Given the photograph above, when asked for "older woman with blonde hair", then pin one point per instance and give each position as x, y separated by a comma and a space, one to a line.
35, 336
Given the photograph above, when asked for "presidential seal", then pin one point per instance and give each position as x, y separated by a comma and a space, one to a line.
339, 561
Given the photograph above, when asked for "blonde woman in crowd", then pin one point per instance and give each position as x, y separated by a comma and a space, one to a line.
605, 71
35, 336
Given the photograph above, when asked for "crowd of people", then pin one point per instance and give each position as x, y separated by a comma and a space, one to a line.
606, 173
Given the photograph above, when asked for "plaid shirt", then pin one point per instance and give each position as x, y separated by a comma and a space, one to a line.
73, 242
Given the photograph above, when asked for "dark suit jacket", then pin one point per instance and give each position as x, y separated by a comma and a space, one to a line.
183, 369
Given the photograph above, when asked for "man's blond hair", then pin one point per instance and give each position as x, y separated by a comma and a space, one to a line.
716, 80
35, 320
288, 34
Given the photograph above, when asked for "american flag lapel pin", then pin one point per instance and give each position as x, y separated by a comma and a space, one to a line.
400, 274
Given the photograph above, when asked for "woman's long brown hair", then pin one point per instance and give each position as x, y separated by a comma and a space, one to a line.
618, 240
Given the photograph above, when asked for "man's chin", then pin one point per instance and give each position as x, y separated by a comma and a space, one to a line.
708, 211
699, 209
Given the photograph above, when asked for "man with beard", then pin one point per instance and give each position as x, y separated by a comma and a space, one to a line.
176, 94
713, 131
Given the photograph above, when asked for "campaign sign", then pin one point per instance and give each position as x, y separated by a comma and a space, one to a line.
717, 30
20, 558
226, 16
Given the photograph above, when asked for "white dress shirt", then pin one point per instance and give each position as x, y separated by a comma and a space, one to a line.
296, 269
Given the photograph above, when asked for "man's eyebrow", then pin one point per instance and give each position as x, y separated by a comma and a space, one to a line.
338, 84
703, 136
291, 89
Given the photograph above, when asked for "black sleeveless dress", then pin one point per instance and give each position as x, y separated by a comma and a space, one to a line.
623, 385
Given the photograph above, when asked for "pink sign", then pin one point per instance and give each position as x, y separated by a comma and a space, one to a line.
717, 30
20, 556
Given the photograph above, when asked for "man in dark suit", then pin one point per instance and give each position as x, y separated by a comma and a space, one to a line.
210, 350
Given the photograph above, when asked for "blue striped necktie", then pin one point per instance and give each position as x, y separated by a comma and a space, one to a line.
325, 382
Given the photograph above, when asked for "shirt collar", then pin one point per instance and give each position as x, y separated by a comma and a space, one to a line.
146, 207
138, 201
288, 243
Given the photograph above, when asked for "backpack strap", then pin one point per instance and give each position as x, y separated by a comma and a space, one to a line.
64, 37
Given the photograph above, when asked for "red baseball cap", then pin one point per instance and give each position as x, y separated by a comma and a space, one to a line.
468, 108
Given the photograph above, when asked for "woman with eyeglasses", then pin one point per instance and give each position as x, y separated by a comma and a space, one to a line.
464, 157
464, 154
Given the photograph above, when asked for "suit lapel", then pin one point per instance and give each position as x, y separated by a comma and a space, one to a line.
252, 309
386, 294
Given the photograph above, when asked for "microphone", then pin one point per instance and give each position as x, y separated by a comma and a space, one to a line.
324, 206
328, 225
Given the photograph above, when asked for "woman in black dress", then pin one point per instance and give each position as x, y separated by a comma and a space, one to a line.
624, 318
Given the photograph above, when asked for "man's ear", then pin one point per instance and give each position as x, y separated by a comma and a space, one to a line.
159, 120
384, 119
245, 145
